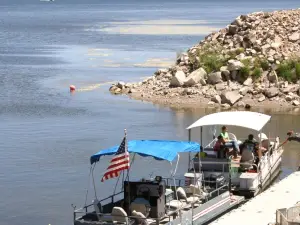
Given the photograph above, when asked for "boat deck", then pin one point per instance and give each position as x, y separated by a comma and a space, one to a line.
261, 210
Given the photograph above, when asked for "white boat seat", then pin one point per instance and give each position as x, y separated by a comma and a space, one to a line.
193, 199
247, 157
119, 215
176, 204
143, 219
181, 193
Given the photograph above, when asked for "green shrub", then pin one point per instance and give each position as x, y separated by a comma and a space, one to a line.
211, 62
256, 73
264, 64
245, 71
284, 70
239, 51
297, 68
246, 62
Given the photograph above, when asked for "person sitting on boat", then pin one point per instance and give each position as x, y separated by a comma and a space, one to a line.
227, 142
218, 146
249, 143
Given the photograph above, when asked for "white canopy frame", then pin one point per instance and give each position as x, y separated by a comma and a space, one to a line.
251, 120
247, 119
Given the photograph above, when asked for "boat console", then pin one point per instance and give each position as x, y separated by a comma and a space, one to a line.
147, 197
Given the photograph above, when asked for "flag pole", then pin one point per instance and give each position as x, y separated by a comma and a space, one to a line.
128, 206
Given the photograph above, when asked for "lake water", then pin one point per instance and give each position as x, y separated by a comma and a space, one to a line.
48, 135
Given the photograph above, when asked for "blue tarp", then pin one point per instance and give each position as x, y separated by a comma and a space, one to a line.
159, 149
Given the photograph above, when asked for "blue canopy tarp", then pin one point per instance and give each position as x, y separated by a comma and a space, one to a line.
159, 149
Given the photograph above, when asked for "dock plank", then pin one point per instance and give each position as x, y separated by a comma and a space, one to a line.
261, 210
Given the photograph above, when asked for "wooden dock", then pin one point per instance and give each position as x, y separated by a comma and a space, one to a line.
261, 210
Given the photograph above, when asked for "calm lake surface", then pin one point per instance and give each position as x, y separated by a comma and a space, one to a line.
48, 135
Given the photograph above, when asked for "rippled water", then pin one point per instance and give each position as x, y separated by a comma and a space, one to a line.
48, 135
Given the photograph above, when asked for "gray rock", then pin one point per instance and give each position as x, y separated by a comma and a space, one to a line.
195, 77
295, 103
220, 86
178, 80
233, 74
131, 91
232, 29
121, 84
203, 82
288, 98
168, 76
225, 72
248, 81
214, 78
261, 99
294, 37
162, 71
241, 104
271, 92
230, 97
234, 65
291, 88
225, 105
210, 103
216, 99
244, 90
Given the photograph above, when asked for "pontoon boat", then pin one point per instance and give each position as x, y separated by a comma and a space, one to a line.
161, 200
248, 173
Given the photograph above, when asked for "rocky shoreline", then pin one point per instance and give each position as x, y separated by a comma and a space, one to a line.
254, 61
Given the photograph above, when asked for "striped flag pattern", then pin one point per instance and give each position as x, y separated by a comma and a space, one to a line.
118, 163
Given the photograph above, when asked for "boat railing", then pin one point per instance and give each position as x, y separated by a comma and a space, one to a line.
85, 208
232, 163
126, 219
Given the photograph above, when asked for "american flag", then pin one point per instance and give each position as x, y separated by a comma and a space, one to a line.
118, 163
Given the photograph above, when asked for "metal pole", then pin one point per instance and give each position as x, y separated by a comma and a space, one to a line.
201, 135
189, 164
126, 147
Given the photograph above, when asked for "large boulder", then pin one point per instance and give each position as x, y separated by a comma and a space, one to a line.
248, 81
197, 76
271, 92
234, 65
230, 97
232, 29
214, 78
244, 90
178, 80
291, 88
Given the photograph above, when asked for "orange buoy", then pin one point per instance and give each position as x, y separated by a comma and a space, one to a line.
72, 88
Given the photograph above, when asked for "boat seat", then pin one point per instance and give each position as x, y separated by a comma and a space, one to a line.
247, 157
181, 193
176, 204
119, 215
143, 220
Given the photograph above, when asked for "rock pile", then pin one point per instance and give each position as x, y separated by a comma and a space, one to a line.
254, 58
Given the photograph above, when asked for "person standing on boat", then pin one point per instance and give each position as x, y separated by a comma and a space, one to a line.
227, 142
